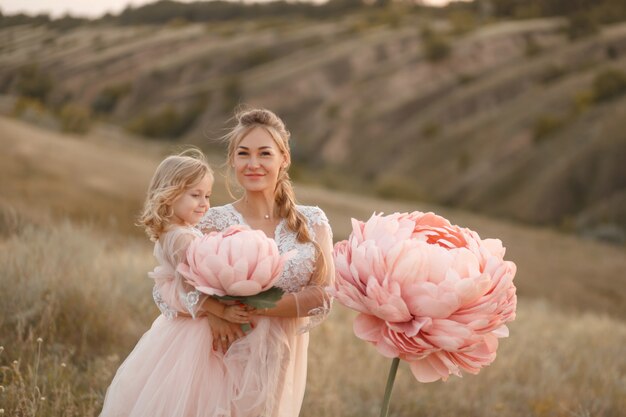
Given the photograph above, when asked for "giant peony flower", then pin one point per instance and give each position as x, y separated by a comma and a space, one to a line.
428, 292
238, 262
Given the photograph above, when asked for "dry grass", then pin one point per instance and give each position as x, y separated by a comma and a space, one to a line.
87, 296
554, 364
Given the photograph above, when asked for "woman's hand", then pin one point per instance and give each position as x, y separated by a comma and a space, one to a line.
224, 332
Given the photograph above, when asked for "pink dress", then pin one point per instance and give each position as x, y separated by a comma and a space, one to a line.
173, 370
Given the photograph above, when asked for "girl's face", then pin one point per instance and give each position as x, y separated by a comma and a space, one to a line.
257, 161
190, 206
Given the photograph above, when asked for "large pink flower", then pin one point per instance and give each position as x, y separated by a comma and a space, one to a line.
238, 261
428, 292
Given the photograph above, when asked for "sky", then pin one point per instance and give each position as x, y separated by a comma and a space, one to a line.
90, 8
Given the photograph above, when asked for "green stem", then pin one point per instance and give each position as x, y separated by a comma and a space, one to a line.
384, 412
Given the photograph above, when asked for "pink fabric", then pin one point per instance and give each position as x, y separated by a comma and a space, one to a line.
173, 370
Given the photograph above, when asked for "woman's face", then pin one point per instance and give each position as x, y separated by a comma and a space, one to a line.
257, 161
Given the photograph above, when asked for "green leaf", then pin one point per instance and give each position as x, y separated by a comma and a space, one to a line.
264, 299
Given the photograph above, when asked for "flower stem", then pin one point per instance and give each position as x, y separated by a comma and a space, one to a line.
384, 412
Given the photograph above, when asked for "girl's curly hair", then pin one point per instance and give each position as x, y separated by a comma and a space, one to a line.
173, 176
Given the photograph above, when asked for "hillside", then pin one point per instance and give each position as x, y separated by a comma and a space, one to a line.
102, 178
503, 119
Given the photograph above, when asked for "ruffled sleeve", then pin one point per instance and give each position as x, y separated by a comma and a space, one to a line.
171, 293
314, 301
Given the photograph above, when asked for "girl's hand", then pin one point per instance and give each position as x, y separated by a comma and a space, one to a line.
237, 313
224, 333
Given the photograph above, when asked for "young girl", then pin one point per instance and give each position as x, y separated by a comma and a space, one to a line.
179, 367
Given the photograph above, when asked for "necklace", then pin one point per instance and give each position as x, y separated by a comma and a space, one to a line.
265, 216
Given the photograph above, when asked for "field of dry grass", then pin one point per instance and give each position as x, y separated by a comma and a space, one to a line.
82, 288
88, 298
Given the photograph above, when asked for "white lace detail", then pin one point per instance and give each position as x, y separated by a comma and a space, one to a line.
165, 272
190, 300
298, 270
315, 216
166, 310
317, 315
218, 218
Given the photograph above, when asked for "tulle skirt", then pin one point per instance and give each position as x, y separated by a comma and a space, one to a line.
173, 371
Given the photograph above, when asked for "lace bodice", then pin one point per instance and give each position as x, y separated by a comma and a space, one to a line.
298, 270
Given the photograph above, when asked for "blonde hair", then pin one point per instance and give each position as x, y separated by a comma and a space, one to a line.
174, 175
284, 196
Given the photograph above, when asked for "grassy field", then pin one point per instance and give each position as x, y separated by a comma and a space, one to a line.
76, 298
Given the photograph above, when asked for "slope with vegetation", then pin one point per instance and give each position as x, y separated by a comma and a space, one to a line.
503, 107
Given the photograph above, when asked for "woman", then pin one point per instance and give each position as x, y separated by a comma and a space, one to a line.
258, 152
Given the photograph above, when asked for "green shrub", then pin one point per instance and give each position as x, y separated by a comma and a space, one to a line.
332, 111
609, 84
581, 25
108, 98
161, 124
463, 162
167, 122
232, 94
258, 56
97, 43
33, 82
34, 112
465, 79
552, 73
397, 188
436, 47
75, 118
431, 129
23, 104
177, 23
532, 47
582, 100
462, 21
383, 17
545, 126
